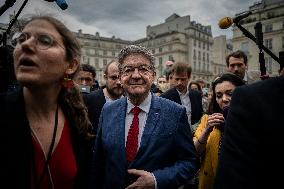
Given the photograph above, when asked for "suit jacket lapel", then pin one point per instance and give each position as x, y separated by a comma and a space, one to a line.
101, 98
176, 96
120, 129
193, 104
151, 122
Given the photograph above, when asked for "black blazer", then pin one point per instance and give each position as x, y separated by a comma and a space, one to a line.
195, 100
95, 102
252, 147
16, 145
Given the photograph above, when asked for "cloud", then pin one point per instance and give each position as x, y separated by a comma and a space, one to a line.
128, 19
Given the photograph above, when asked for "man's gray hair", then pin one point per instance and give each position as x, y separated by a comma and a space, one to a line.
132, 49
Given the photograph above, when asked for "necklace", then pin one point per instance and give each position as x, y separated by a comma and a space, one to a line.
38, 182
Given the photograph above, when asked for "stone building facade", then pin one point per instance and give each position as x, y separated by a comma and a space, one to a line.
270, 13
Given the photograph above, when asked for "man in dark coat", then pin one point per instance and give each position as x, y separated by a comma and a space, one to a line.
251, 154
112, 91
190, 99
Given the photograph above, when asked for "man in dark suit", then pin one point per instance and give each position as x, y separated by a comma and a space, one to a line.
179, 93
251, 154
112, 91
143, 140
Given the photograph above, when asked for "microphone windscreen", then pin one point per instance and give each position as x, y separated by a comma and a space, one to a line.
62, 4
225, 23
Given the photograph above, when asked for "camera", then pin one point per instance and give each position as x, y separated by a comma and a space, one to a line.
85, 89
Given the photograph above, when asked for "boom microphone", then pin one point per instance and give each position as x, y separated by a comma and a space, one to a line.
226, 22
61, 3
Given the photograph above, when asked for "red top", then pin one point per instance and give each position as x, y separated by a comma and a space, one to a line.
62, 169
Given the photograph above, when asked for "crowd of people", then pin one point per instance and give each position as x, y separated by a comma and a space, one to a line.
60, 129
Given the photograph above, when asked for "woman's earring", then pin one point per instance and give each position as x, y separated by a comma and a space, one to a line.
67, 82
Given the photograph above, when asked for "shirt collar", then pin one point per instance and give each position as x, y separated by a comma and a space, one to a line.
144, 106
180, 94
246, 77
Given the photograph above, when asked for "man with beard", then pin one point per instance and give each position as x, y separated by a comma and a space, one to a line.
112, 91
143, 141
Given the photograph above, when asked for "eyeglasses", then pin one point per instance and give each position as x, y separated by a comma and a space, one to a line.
42, 41
142, 69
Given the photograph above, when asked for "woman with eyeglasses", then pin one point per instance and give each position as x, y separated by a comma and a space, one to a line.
45, 130
208, 136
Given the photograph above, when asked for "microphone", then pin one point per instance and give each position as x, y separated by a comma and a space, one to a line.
61, 3
226, 22
7, 4
225, 111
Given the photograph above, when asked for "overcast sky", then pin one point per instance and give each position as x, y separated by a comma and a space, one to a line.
128, 19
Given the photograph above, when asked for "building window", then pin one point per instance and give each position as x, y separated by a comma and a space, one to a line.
105, 62
92, 51
160, 49
160, 60
244, 47
118, 46
207, 46
199, 44
203, 56
268, 28
207, 68
194, 42
268, 64
86, 60
199, 55
104, 52
207, 57
199, 66
203, 45
97, 65
194, 54
171, 58
268, 43
194, 66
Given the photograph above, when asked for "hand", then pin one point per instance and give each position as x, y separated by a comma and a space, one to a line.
214, 120
145, 180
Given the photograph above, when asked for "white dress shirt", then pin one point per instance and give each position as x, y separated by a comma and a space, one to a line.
185, 101
145, 107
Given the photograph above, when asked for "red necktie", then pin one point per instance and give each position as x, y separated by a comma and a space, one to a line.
132, 137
